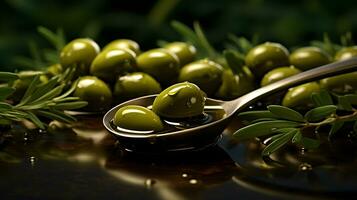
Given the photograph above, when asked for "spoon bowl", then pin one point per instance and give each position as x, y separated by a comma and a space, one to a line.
199, 137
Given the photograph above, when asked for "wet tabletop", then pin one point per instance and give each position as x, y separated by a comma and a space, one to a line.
87, 162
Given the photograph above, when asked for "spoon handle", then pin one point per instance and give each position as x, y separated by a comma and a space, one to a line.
324, 71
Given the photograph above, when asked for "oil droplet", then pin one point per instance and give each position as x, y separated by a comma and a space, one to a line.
305, 167
149, 183
193, 181
32, 160
184, 175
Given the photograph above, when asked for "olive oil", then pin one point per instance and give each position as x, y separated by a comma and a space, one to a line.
210, 114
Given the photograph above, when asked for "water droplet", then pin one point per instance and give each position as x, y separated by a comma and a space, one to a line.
193, 181
149, 183
251, 107
305, 167
184, 175
42, 131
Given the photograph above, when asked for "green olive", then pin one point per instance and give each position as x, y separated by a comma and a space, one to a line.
205, 73
80, 53
179, 101
95, 91
54, 69
25, 79
109, 64
234, 85
306, 58
346, 53
184, 51
160, 63
341, 84
137, 118
135, 85
300, 96
278, 74
123, 44
266, 57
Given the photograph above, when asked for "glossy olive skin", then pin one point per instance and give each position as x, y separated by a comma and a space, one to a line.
234, 85
185, 52
123, 44
300, 96
205, 73
341, 84
160, 63
135, 85
306, 58
137, 118
109, 64
180, 101
80, 53
25, 79
266, 57
346, 53
95, 91
278, 74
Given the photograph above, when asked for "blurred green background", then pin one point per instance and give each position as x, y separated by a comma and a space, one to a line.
293, 23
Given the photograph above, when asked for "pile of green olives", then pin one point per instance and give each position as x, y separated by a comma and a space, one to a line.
121, 70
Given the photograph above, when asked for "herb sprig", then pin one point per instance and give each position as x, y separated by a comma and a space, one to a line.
284, 125
48, 100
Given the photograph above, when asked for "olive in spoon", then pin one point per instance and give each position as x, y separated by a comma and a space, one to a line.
208, 134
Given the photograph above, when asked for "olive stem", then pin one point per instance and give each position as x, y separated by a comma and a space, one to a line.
334, 118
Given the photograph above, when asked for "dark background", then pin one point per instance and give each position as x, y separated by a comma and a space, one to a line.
293, 23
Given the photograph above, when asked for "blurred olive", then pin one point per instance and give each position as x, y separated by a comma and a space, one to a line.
300, 96
278, 74
234, 85
346, 53
95, 91
266, 57
123, 44
135, 85
184, 51
137, 118
342, 84
54, 69
306, 58
25, 79
109, 64
160, 63
80, 53
179, 101
205, 73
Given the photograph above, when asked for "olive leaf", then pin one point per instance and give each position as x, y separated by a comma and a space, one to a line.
263, 128
255, 114
283, 112
344, 103
322, 98
334, 128
5, 92
297, 137
234, 61
279, 142
320, 113
8, 76
351, 98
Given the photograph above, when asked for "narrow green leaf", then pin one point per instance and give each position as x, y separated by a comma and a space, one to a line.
297, 137
344, 103
320, 113
203, 40
351, 98
50, 36
274, 137
185, 31
68, 92
261, 120
283, 112
234, 62
284, 130
43, 89
35, 120
256, 114
309, 143
263, 128
8, 76
334, 128
6, 92
322, 98
278, 143
70, 105
49, 95
5, 106
56, 115
32, 87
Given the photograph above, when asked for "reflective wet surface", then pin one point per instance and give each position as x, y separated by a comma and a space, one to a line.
87, 162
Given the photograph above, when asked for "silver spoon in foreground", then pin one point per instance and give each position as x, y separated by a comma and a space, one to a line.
208, 134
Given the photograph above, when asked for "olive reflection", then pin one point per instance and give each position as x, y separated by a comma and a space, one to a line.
174, 175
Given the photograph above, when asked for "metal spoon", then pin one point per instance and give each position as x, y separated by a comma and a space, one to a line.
208, 134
